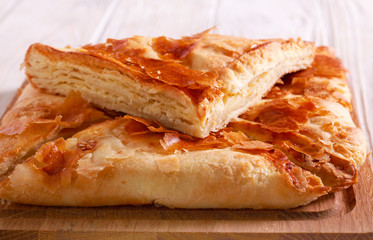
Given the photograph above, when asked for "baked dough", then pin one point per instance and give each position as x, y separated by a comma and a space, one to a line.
132, 161
298, 143
37, 118
307, 117
195, 84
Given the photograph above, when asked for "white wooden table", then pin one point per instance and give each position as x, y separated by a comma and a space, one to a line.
347, 25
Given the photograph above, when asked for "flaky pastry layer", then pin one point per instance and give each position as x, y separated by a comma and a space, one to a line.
307, 116
296, 144
194, 84
133, 161
37, 118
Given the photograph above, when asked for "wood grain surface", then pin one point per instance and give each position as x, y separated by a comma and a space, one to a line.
347, 25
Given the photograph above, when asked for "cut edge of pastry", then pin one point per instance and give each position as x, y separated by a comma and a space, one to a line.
20, 185
106, 82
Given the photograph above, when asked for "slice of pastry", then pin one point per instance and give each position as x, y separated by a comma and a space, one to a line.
133, 161
296, 144
194, 84
307, 117
37, 118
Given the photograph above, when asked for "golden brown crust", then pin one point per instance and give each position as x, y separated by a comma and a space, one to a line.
307, 117
133, 161
195, 84
296, 144
326, 79
37, 118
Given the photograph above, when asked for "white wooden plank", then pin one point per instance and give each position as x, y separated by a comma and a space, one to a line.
6, 7
266, 19
363, 18
58, 23
104, 21
154, 18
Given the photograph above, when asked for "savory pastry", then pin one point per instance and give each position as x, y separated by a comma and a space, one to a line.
133, 161
194, 84
307, 117
37, 118
296, 144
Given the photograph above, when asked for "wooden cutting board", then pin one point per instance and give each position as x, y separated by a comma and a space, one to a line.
346, 214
